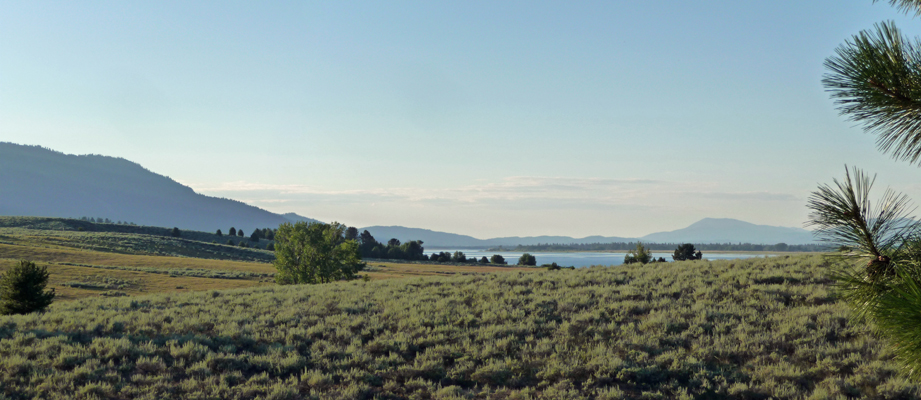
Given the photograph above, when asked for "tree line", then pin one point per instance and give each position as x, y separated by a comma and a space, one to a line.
101, 220
627, 246
642, 254
265, 233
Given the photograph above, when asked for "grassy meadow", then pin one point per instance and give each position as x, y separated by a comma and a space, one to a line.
744, 329
151, 262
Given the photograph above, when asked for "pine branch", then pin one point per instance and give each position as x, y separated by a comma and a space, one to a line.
846, 217
906, 6
875, 79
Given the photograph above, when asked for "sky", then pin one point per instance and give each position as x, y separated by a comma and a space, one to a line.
615, 118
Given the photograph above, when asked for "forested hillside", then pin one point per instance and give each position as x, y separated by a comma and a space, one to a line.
36, 181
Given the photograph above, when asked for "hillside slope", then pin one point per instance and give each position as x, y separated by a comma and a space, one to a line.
35, 181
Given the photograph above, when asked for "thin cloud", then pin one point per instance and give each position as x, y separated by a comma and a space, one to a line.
550, 193
757, 196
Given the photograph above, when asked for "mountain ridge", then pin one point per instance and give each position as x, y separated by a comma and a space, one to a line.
37, 181
49, 183
707, 230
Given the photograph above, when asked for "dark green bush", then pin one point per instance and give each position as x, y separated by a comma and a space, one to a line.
22, 289
527, 259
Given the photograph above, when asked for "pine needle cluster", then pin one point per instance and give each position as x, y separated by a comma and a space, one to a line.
879, 260
875, 79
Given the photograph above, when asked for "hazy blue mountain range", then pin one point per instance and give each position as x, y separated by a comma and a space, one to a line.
727, 230
707, 230
36, 181
434, 239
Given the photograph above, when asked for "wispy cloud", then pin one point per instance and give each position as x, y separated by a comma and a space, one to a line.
508, 189
520, 205
517, 191
756, 196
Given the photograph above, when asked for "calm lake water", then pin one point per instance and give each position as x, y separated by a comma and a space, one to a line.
586, 259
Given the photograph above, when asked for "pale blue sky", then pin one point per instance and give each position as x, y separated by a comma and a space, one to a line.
482, 118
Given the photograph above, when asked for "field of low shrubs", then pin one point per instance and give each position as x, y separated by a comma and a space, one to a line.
752, 329
131, 243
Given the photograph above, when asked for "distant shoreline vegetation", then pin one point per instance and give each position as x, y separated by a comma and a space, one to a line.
627, 246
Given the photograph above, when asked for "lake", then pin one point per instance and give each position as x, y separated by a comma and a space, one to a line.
585, 259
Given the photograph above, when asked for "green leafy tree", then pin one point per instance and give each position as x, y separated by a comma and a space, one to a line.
255, 236
441, 257
315, 253
240, 233
459, 257
497, 259
395, 253
642, 255
413, 250
270, 246
351, 233
232, 231
875, 80
175, 232
22, 289
484, 260
219, 233
686, 252
367, 244
527, 259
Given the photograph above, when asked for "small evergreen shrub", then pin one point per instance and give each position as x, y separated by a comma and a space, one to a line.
22, 289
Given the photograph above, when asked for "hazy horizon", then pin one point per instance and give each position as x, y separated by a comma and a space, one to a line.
482, 119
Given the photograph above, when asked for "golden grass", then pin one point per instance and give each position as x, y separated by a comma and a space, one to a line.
152, 283
149, 283
76, 256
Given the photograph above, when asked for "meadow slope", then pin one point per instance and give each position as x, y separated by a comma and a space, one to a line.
758, 328
91, 264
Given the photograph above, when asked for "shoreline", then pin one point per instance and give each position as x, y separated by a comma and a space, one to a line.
661, 251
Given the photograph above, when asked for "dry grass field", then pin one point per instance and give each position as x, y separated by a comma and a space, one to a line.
151, 274
736, 329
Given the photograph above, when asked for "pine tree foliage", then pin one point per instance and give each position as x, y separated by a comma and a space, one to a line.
640, 255
845, 216
875, 78
907, 6
897, 317
22, 289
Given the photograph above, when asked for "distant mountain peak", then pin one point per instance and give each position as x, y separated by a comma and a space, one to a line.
298, 218
38, 181
730, 230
